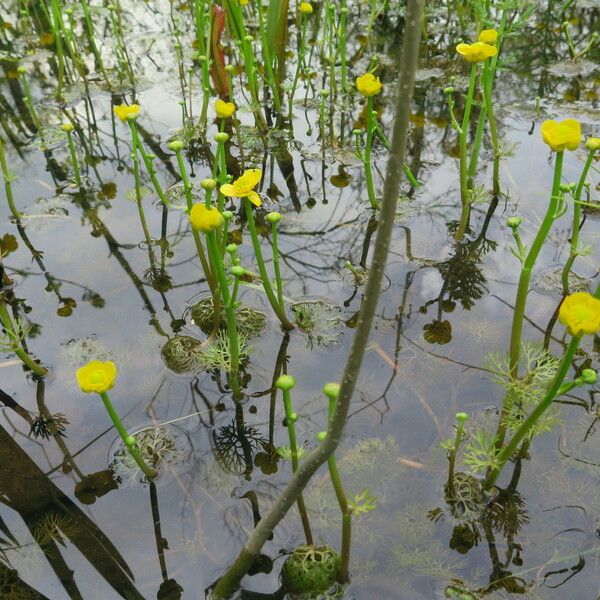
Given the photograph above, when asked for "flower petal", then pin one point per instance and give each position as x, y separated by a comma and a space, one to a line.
228, 190
254, 198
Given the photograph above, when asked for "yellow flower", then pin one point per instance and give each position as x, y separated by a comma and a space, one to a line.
563, 135
97, 376
224, 109
243, 187
580, 313
477, 52
244, 2
306, 8
488, 36
205, 218
368, 85
127, 112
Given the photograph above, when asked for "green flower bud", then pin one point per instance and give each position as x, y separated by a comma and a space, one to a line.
321, 436
175, 146
237, 270
589, 376
231, 248
357, 131
274, 217
285, 382
208, 184
331, 390
130, 441
229, 68
248, 38
449, 90
514, 222
294, 417
221, 137
461, 417
593, 144
22, 70
67, 127
227, 215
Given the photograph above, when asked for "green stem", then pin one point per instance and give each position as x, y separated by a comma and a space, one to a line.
345, 508
8, 325
525, 427
276, 267
6, 176
278, 309
187, 188
367, 154
462, 140
576, 223
289, 420
523, 289
128, 440
74, 160
488, 77
232, 332
147, 162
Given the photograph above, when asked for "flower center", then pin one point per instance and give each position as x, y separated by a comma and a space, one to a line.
96, 377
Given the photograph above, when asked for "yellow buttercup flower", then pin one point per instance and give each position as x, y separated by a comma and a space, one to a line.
565, 135
488, 36
477, 52
368, 85
224, 109
205, 218
580, 314
127, 112
306, 8
97, 376
243, 187
244, 2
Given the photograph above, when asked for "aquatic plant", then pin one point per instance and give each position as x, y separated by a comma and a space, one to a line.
99, 377
310, 570
580, 313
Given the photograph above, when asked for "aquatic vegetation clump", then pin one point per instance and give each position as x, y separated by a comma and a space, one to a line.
465, 496
185, 354
52, 526
158, 446
319, 319
310, 569
250, 322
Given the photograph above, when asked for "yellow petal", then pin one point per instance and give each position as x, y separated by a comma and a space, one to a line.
228, 190
255, 198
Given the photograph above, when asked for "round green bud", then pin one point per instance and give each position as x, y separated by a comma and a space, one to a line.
274, 217
248, 38
208, 184
201, 57
565, 187
461, 417
221, 137
150, 156
294, 417
227, 215
321, 436
343, 10
237, 270
593, 144
22, 70
324, 93
331, 390
357, 131
67, 127
285, 382
69, 11
449, 90
229, 68
231, 248
175, 145
374, 114
589, 376
514, 222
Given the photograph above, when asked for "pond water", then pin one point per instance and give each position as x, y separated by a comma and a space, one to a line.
78, 522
